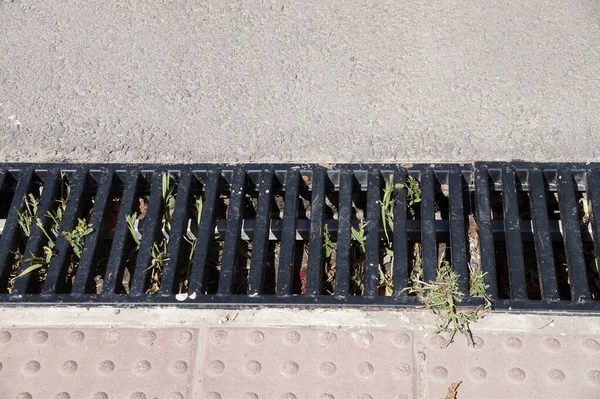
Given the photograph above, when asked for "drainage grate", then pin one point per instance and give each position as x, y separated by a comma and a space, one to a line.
297, 234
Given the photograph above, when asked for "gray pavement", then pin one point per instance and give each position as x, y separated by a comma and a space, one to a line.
333, 81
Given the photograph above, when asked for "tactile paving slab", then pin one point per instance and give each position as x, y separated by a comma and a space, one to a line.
513, 366
303, 363
96, 363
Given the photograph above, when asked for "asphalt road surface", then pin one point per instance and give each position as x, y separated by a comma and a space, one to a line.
306, 81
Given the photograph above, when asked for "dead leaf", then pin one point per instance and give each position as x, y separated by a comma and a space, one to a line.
143, 208
406, 165
327, 166
474, 253
473, 227
306, 180
452, 390
586, 212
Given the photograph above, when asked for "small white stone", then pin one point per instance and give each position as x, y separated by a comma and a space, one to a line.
182, 296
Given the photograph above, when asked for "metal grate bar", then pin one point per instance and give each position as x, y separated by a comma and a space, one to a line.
484, 230
122, 238
400, 239
315, 246
205, 231
342, 267
261, 236
288, 235
541, 230
458, 229
572, 236
373, 218
428, 239
513, 234
179, 224
34, 242
57, 271
234, 224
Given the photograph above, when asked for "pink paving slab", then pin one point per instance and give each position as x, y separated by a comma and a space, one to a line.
96, 363
303, 363
515, 366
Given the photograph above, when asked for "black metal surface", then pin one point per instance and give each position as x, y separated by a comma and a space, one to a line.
262, 230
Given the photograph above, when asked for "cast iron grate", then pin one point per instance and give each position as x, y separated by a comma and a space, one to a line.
297, 234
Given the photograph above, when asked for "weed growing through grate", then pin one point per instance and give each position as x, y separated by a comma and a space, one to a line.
76, 238
158, 254
477, 286
358, 255
443, 297
413, 196
42, 263
131, 224
329, 255
192, 241
27, 217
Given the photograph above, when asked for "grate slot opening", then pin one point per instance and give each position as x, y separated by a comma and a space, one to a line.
243, 247
473, 248
442, 213
26, 214
589, 246
415, 263
76, 233
532, 277
496, 203
216, 241
182, 261
589, 251
158, 224
136, 220
42, 256
106, 231
7, 192
357, 244
591, 262
553, 211
559, 249
562, 270
271, 271
500, 252
330, 239
572, 272
385, 272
